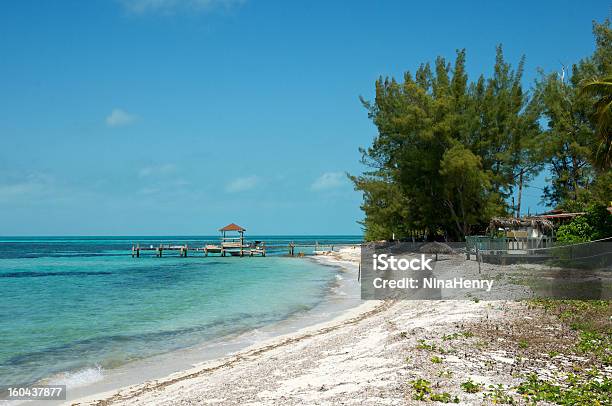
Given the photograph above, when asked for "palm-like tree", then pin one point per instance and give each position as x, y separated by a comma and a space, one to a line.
602, 90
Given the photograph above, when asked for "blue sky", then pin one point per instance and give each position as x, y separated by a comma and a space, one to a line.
132, 117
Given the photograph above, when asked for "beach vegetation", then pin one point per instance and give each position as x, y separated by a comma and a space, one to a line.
456, 335
470, 386
594, 225
450, 150
449, 337
443, 397
591, 321
436, 359
421, 388
445, 374
423, 391
424, 345
574, 391
497, 394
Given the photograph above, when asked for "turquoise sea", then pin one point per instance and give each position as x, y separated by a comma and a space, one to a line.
72, 304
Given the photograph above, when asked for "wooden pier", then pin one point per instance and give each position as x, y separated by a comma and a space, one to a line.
233, 243
183, 250
291, 249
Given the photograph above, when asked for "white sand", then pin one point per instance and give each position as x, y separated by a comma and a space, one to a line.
366, 356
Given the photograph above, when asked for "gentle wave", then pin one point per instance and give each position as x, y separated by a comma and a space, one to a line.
233, 325
82, 377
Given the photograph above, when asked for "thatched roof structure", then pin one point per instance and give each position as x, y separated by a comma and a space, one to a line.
539, 223
436, 248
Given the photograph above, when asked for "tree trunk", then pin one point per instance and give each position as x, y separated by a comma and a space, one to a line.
520, 193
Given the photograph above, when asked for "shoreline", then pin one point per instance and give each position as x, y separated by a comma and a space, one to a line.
339, 302
381, 352
361, 312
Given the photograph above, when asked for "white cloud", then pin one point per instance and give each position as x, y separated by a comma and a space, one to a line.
118, 118
170, 6
163, 169
329, 180
242, 184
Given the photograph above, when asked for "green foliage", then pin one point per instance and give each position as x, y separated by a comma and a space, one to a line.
443, 397
601, 189
570, 144
498, 395
470, 386
579, 230
422, 391
422, 388
591, 318
576, 391
445, 374
594, 225
450, 151
601, 89
436, 360
423, 345
447, 149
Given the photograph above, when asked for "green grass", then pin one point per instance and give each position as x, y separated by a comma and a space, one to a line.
436, 360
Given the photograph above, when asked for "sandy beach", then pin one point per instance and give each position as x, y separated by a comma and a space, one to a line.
371, 355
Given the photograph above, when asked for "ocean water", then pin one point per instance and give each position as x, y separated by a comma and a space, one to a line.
79, 306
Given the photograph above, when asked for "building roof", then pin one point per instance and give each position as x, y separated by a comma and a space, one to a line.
539, 223
232, 227
560, 213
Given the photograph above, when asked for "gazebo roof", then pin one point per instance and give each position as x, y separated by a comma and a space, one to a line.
232, 227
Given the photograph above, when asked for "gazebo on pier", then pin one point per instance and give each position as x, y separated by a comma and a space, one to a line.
232, 239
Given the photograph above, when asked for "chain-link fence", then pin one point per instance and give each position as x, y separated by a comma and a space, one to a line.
507, 250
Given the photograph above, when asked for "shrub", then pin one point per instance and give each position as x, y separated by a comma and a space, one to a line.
594, 225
